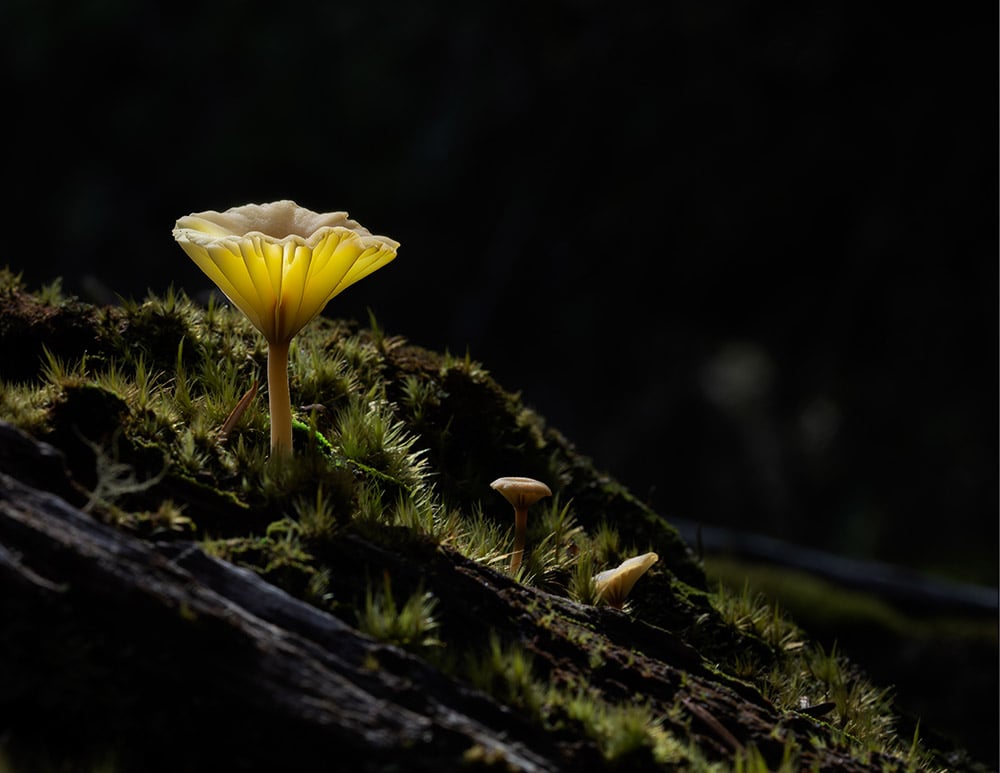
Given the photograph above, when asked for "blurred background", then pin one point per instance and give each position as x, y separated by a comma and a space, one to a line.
745, 259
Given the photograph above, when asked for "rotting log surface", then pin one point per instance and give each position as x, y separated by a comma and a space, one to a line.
179, 661
122, 638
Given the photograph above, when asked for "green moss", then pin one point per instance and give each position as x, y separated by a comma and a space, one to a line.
412, 625
279, 556
396, 446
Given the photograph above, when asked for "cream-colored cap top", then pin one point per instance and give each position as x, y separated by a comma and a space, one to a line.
521, 492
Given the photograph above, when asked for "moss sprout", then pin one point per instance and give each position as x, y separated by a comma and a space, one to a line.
413, 625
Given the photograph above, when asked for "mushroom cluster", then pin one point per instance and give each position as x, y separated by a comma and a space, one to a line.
280, 264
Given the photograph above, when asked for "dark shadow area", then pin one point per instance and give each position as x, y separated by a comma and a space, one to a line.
744, 259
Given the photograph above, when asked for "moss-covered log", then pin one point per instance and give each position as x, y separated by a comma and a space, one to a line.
174, 599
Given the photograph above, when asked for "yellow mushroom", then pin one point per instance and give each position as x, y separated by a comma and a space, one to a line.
280, 264
522, 493
614, 585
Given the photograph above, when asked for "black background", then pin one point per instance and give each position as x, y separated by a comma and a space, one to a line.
744, 258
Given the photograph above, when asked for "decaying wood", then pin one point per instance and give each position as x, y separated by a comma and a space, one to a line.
180, 661
217, 654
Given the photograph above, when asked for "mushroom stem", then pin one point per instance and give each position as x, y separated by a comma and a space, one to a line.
278, 398
520, 531
522, 493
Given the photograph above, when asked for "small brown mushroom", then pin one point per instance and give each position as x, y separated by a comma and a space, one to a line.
522, 493
613, 586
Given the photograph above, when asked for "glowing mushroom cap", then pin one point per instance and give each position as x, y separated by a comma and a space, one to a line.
280, 263
614, 585
521, 492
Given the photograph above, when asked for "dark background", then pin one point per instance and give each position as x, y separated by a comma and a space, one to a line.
745, 259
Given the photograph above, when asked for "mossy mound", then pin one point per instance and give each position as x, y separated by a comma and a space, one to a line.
384, 519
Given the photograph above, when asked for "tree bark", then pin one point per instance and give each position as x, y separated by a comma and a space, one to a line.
115, 638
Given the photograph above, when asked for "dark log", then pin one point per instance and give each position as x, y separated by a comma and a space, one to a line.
176, 651
176, 661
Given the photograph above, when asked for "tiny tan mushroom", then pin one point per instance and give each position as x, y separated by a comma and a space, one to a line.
522, 493
613, 585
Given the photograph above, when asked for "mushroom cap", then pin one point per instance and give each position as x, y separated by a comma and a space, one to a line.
521, 492
280, 263
614, 585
